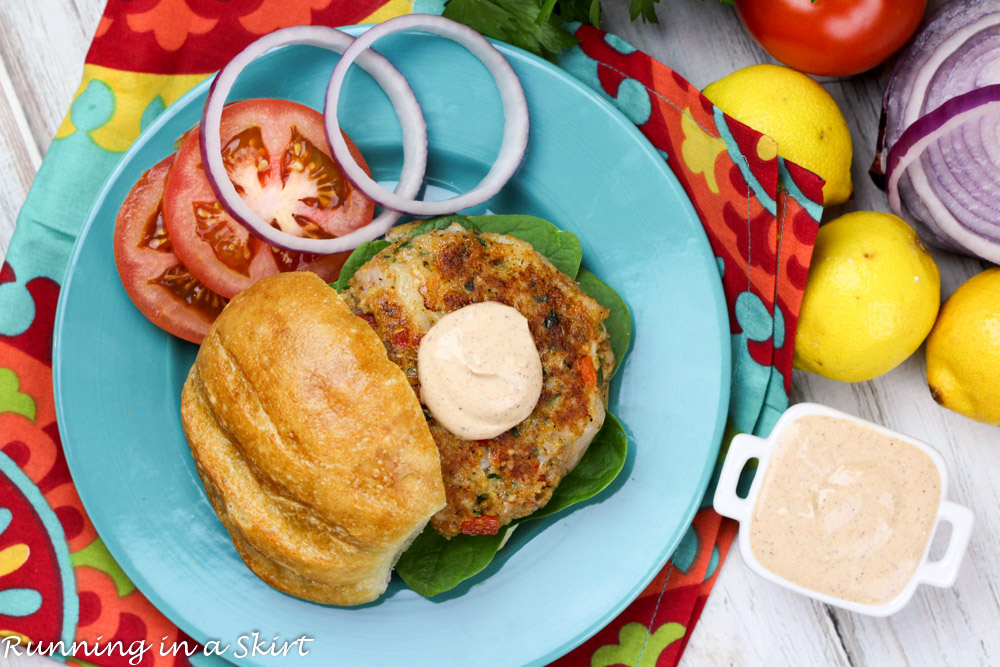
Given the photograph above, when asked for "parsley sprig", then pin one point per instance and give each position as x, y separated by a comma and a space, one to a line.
536, 25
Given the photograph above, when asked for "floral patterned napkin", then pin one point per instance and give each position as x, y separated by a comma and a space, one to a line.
57, 579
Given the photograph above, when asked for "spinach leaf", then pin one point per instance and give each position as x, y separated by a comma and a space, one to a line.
619, 322
441, 222
434, 564
356, 260
562, 248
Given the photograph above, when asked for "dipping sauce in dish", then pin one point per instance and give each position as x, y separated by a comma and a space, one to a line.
845, 510
479, 370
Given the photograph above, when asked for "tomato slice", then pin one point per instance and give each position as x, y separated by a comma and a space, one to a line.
155, 279
277, 157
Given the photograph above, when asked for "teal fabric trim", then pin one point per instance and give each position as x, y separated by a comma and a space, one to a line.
765, 199
775, 402
815, 210
749, 386
687, 551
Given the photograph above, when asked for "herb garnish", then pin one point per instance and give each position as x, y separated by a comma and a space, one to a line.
537, 25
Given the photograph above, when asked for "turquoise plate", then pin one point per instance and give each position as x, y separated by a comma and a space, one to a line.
118, 379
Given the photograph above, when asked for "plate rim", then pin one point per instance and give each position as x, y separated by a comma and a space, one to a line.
175, 615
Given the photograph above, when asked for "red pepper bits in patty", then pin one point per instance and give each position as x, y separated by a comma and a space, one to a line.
481, 525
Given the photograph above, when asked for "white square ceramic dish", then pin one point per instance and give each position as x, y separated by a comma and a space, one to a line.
745, 447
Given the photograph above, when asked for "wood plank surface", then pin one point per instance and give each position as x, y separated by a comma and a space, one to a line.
747, 620
21, 156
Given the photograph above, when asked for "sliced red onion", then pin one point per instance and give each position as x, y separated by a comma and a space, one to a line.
515, 109
387, 76
956, 51
952, 158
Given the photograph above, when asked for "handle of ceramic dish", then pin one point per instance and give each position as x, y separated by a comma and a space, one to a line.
944, 572
726, 501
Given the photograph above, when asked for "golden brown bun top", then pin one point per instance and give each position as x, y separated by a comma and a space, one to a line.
320, 414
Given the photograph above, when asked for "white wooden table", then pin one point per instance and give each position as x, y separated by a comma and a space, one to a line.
747, 621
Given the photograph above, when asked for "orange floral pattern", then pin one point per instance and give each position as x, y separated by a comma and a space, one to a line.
275, 14
171, 21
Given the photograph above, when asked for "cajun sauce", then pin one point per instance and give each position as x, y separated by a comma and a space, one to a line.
480, 373
845, 510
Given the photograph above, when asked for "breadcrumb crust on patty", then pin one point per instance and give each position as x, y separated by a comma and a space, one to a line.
405, 289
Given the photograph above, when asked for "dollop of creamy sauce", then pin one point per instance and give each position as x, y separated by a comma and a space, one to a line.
479, 370
845, 510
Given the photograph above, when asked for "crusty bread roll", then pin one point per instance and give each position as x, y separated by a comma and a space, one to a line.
311, 444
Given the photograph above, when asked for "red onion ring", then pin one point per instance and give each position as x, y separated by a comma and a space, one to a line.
515, 109
403, 101
929, 132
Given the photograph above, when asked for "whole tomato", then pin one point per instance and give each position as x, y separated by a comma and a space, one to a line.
831, 37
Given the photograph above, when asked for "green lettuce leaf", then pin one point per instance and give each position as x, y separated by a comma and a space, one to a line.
619, 322
433, 564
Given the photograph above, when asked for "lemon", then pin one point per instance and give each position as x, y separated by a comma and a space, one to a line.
871, 297
798, 114
963, 350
